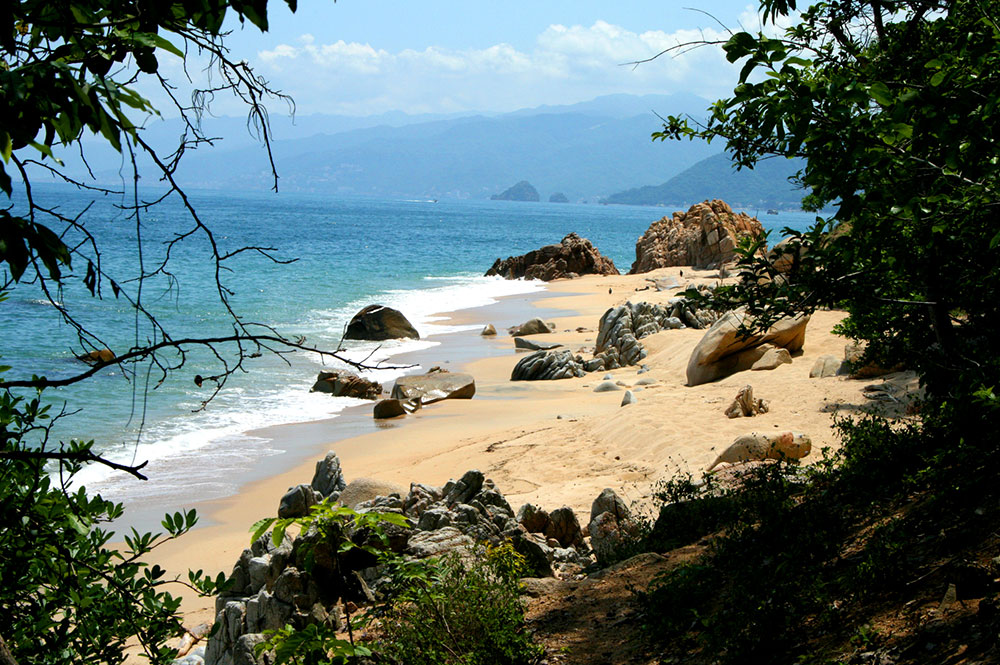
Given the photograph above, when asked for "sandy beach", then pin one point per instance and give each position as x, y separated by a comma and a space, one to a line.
552, 443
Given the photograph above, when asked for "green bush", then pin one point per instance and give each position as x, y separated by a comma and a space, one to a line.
458, 612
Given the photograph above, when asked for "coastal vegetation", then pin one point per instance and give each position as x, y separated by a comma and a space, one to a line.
898, 136
69, 70
820, 564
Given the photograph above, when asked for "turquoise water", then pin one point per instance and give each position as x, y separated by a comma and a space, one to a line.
421, 257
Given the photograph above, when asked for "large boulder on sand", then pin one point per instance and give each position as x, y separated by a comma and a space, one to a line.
434, 387
360, 490
573, 256
722, 352
346, 384
531, 327
707, 234
378, 322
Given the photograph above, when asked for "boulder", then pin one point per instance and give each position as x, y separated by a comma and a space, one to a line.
785, 256
606, 387
706, 235
463, 489
297, 501
423, 544
745, 406
391, 408
564, 527
434, 387
329, 478
629, 398
573, 255
826, 366
366, 489
608, 501
341, 383
378, 322
773, 358
531, 345
765, 445
854, 361
548, 365
536, 552
97, 357
531, 327
722, 352
489, 330
533, 518
605, 534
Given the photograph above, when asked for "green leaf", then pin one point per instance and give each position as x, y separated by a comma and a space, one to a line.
260, 527
880, 93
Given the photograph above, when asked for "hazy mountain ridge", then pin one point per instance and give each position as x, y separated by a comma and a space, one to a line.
765, 186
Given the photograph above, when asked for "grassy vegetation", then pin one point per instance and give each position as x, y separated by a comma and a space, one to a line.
850, 556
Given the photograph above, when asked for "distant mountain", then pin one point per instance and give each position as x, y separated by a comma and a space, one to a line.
766, 186
522, 191
558, 197
584, 151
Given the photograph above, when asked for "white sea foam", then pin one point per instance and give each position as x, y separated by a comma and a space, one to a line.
208, 449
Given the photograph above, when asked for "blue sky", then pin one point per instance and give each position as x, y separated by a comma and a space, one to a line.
363, 57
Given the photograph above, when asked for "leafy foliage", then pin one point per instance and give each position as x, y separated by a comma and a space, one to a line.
66, 595
458, 612
454, 610
899, 134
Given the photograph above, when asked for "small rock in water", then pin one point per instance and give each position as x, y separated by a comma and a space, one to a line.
628, 398
606, 387
489, 330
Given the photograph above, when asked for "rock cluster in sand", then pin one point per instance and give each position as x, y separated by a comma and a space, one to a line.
572, 257
704, 236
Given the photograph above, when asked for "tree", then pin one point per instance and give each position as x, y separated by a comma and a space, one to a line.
69, 68
893, 105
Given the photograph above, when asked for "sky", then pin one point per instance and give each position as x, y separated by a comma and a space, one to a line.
366, 57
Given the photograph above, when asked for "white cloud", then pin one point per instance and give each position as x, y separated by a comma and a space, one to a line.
565, 65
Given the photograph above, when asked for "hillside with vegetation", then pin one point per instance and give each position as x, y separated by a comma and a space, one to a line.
769, 184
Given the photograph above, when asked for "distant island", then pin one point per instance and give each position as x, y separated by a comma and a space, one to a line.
558, 197
522, 191
767, 186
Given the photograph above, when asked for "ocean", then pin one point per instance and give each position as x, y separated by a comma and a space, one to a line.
419, 256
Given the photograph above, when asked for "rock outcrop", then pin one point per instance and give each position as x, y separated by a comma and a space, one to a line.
309, 581
722, 352
522, 191
618, 336
378, 322
704, 236
572, 257
434, 387
341, 383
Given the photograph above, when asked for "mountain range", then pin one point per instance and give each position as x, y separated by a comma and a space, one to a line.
599, 149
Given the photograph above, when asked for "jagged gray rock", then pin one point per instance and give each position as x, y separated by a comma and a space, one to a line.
329, 478
297, 501
548, 365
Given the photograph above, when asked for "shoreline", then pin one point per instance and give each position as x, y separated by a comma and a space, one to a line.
551, 443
